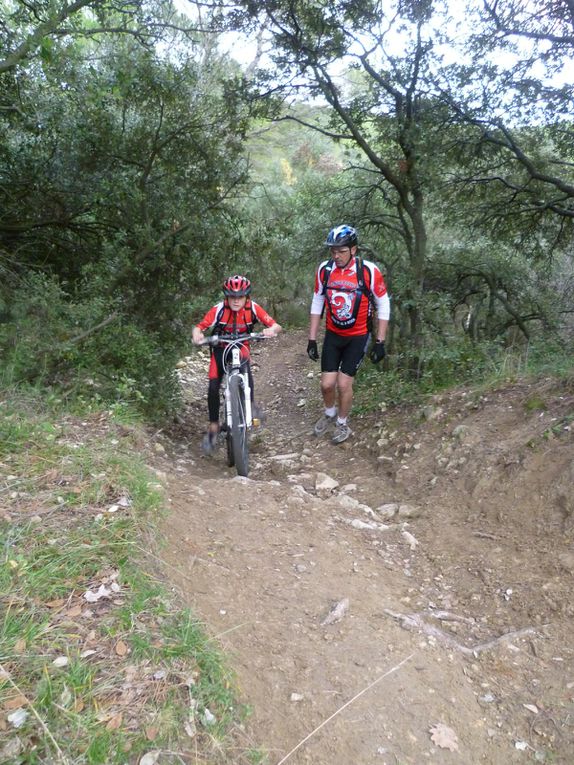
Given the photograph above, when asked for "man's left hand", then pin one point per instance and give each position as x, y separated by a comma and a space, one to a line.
377, 352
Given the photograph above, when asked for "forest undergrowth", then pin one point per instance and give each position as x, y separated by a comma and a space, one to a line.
98, 661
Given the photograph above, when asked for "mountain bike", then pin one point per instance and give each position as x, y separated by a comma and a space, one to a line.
237, 413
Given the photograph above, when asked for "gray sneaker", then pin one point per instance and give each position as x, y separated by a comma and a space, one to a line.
323, 424
342, 433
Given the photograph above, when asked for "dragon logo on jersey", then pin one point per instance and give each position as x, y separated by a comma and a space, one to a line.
341, 305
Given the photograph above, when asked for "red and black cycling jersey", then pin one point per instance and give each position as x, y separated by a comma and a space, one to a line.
344, 315
224, 321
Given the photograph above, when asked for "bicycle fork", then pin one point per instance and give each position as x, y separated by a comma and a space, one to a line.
236, 370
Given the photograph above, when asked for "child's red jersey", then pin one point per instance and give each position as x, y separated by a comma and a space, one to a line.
228, 322
235, 322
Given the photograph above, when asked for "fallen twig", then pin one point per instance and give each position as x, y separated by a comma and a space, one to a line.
484, 535
416, 621
540, 719
345, 705
226, 632
447, 616
175, 568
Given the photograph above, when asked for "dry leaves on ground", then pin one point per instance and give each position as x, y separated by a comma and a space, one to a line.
444, 737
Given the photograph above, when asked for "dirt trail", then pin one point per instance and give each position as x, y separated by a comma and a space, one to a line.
480, 548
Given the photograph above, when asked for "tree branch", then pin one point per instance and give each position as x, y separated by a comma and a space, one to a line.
42, 30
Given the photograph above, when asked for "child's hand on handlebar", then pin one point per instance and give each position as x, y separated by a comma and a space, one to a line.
197, 335
272, 331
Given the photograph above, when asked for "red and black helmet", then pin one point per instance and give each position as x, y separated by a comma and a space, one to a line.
236, 286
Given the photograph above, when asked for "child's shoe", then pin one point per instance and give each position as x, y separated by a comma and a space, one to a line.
209, 442
258, 416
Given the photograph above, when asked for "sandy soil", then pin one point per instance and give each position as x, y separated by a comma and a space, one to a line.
454, 642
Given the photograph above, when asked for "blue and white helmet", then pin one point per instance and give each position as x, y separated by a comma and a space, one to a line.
342, 236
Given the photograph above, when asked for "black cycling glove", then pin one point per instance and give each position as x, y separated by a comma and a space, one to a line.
312, 350
377, 352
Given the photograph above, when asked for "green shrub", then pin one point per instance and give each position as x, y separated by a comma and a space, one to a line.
48, 338
459, 361
36, 319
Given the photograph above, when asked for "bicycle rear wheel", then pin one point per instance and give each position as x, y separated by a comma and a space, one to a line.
239, 441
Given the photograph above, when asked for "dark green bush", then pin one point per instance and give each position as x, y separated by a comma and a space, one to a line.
49, 339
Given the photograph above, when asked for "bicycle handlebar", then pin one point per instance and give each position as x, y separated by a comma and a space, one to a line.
217, 339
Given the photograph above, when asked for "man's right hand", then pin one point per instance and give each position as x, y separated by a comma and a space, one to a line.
312, 350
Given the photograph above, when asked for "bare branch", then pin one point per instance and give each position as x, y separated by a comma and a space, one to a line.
511, 31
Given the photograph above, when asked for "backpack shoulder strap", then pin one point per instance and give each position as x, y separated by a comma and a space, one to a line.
219, 323
367, 288
250, 316
326, 274
360, 272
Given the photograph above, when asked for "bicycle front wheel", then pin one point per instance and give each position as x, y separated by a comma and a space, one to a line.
229, 449
239, 442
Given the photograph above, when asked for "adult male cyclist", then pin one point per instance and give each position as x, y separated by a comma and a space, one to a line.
346, 285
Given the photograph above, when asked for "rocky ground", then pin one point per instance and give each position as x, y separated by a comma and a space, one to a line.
405, 597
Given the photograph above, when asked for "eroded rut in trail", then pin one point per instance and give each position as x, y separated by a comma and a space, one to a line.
446, 548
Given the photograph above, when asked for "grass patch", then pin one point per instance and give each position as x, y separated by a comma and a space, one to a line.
97, 664
560, 428
535, 404
376, 390
482, 367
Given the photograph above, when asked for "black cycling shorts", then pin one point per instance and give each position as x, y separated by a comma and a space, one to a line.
342, 353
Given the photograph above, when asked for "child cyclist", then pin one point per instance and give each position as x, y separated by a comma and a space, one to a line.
234, 315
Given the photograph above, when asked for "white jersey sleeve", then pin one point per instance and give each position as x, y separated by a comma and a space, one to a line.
318, 300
